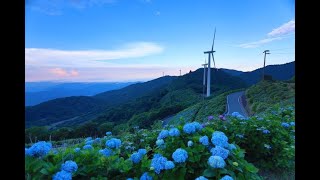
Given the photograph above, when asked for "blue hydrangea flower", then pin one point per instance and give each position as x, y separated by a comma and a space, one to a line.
135, 158
189, 128
108, 133
266, 131
142, 152
220, 151
174, 132
219, 139
169, 165
69, 166
159, 142
145, 176
77, 150
106, 152
62, 175
88, 139
239, 136
180, 155
129, 179
163, 134
97, 140
113, 143
204, 140
87, 147
158, 163
286, 125
226, 177
190, 143
39, 149
201, 178
292, 123
231, 147
90, 142
197, 125
216, 162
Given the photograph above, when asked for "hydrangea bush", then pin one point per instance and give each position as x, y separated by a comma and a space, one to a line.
217, 151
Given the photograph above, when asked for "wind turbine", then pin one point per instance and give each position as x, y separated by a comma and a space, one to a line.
204, 75
209, 64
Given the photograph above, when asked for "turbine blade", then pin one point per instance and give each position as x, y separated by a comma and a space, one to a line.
214, 63
214, 36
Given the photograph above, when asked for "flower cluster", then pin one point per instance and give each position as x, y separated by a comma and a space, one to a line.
286, 125
191, 128
76, 150
67, 169
69, 166
266, 131
237, 115
174, 132
231, 147
106, 152
163, 134
219, 139
180, 155
226, 177
87, 147
204, 140
201, 178
136, 157
220, 151
190, 143
62, 175
216, 162
145, 176
158, 163
38, 149
108, 133
113, 143
160, 142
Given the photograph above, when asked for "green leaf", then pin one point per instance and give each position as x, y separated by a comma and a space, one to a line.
209, 173
249, 167
44, 171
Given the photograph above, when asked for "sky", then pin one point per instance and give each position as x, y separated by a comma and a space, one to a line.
139, 40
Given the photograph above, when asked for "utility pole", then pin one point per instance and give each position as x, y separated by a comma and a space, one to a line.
264, 63
180, 72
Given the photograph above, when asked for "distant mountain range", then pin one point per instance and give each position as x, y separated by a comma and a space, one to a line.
143, 103
38, 92
278, 72
171, 93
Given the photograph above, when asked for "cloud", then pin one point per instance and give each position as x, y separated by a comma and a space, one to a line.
88, 58
157, 13
63, 73
279, 33
104, 73
259, 43
285, 29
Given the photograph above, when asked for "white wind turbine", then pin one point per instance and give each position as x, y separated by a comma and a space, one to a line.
209, 64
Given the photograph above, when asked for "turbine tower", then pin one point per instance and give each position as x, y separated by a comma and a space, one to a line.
204, 76
209, 64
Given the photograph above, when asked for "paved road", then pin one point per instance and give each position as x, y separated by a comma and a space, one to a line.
234, 105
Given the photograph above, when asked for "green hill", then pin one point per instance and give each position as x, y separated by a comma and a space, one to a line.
148, 101
268, 93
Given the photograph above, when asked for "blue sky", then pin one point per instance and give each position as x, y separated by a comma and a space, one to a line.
130, 40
